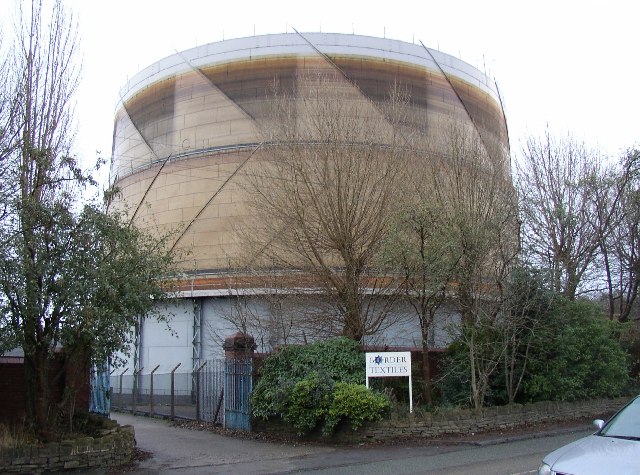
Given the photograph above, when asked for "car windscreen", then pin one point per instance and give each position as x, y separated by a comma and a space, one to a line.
625, 424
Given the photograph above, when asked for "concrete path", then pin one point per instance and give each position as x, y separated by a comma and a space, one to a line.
183, 451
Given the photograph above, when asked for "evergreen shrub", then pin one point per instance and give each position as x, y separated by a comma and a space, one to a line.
317, 386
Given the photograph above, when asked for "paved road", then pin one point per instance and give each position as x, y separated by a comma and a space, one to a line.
178, 451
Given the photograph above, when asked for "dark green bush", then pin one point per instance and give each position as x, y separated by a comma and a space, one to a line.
581, 357
308, 402
574, 354
454, 387
316, 385
338, 359
355, 404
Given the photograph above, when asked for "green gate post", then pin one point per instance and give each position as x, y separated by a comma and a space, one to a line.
238, 350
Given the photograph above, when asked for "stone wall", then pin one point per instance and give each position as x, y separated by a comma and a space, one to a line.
463, 421
467, 421
113, 448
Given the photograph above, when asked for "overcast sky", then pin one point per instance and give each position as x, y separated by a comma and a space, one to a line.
574, 65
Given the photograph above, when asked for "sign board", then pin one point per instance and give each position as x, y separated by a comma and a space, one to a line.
388, 365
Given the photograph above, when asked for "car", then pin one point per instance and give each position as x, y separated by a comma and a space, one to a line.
613, 449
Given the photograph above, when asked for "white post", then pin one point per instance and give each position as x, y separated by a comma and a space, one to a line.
410, 393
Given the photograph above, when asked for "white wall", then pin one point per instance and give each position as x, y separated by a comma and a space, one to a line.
168, 345
217, 316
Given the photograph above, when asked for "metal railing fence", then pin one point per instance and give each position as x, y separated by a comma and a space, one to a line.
197, 394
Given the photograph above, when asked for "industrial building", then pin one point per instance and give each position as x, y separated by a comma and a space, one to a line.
187, 129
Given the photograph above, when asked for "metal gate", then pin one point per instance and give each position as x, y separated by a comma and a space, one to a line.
100, 400
238, 384
211, 388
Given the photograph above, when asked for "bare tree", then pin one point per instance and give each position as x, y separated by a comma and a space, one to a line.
9, 132
618, 208
474, 189
324, 189
271, 313
558, 199
422, 251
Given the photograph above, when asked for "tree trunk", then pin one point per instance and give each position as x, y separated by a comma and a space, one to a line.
426, 372
353, 325
38, 393
475, 391
75, 371
352, 298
